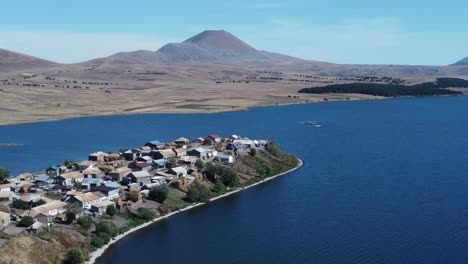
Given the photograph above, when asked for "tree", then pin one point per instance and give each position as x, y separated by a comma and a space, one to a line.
107, 228
4, 173
219, 187
171, 162
26, 221
230, 177
20, 204
274, 149
253, 152
199, 164
199, 193
74, 256
110, 210
158, 193
70, 217
85, 222
145, 214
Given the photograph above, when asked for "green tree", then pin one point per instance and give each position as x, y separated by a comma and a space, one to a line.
199, 193
85, 222
74, 256
26, 221
20, 204
230, 177
158, 193
145, 214
4, 173
199, 164
274, 149
107, 228
70, 217
219, 187
111, 211
253, 152
171, 162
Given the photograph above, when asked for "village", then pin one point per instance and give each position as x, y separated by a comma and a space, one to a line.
120, 181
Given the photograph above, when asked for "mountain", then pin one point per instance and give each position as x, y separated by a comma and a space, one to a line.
210, 46
462, 62
14, 61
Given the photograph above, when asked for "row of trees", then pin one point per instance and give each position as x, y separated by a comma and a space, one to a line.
387, 90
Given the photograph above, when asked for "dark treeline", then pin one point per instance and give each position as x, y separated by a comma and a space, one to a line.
390, 90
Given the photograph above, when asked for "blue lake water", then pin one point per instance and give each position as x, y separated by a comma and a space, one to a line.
384, 182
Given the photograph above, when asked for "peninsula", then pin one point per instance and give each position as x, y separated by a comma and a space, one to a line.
71, 213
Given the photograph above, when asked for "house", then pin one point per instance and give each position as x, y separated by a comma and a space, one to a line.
198, 140
85, 164
158, 180
46, 213
43, 179
164, 154
119, 173
101, 207
93, 172
200, 153
142, 166
36, 228
216, 138
180, 142
178, 171
155, 144
141, 177
180, 152
226, 158
7, 197
26, 177
69, 178
159, 164
98, 156
131, 154
4, 220
89, 183
110, 193
243, 144
190, 160
5, 186
84, 200
208, 142
53, 171
147, 159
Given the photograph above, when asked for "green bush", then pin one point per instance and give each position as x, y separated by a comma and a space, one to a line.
26, 221
158, 193
111, 211
107, 228
85, 222
220, 188
4, 173
274, 148
20, 204
74, 256
199, 193
145, 214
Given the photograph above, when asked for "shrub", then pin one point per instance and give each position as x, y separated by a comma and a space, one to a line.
111, 211
20, 204
107, 228
158, 193
199, 164
145, 214
74, 256
4, 173
274, 149
199, 193
253, 152
26, 221
85, 222
219, 187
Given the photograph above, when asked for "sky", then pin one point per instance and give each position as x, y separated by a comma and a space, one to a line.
411, 32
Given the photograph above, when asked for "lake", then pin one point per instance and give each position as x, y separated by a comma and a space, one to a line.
384, 181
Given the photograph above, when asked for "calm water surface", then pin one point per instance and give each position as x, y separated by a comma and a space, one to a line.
384, 182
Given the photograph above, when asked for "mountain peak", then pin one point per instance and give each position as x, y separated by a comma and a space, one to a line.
462, 62
220, 39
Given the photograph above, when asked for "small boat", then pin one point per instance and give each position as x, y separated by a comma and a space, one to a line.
317, 126
310, 123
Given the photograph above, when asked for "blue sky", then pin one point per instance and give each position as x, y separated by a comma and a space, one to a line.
360, 31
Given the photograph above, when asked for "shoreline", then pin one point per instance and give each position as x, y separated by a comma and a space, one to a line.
99, 252
215, 111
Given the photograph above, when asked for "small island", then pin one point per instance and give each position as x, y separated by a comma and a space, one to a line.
438, 87
71, 213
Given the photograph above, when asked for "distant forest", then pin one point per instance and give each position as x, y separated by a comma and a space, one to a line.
391, 90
